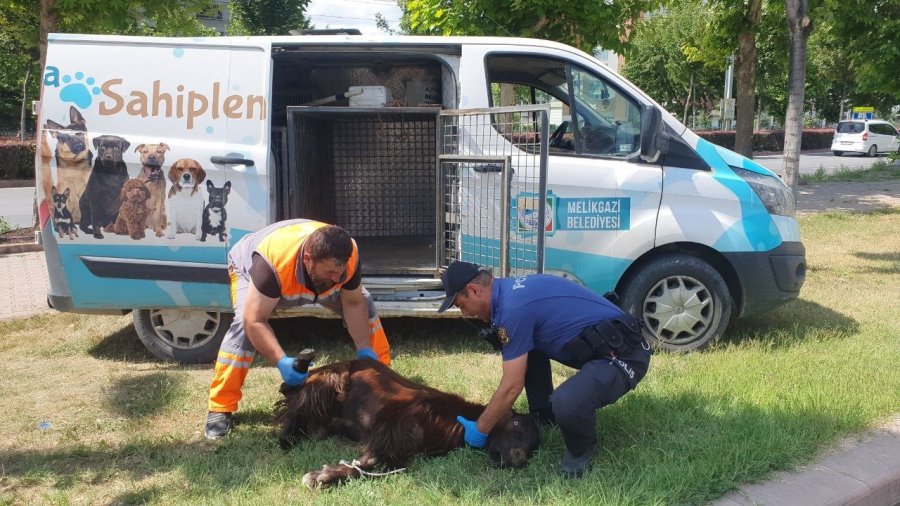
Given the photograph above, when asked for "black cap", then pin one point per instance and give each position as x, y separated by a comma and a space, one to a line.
455, 279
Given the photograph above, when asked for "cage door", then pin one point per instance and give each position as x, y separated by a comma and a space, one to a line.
492, 202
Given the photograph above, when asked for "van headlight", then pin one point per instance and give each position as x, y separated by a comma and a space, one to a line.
774, 194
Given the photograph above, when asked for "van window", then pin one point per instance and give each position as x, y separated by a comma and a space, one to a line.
606, 122
849, 127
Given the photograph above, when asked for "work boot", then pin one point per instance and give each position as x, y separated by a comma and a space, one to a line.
574, 466
544, 417
218, 425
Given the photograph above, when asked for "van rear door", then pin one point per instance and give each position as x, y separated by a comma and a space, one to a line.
163, 111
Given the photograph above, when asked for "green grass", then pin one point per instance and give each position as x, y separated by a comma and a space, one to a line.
882, 170
780, 388
4, 225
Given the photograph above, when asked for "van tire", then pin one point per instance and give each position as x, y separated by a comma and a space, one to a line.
182, 335
873, 151
665, 279
838, 153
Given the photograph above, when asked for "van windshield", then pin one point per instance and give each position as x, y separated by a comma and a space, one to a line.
849, 127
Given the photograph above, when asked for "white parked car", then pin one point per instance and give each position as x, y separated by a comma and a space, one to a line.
865, 136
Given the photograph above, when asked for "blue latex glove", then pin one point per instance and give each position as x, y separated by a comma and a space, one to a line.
474, 437
366, 353
288, 374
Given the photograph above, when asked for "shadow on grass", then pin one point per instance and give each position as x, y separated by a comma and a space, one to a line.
654, 448
888, 262
411, 336
129, 396
792, 324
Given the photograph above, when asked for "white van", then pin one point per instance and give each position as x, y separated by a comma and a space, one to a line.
518, 154
868, 137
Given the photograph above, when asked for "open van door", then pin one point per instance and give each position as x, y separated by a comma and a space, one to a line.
113, 126
493, 182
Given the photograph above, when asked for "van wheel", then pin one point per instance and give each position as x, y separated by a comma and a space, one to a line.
182, 335
838, 153
684, 303
873, 151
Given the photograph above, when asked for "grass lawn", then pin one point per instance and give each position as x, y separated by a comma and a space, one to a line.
882, 170
88, 416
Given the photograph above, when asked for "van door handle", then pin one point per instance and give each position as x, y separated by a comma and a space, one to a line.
229, 160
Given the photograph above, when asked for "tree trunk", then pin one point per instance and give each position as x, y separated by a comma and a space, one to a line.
745, 66
799, 26
49, 24
689, 101
24, 101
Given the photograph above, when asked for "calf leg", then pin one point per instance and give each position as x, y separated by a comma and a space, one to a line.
331, 475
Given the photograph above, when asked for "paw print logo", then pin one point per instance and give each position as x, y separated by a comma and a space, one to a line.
80, 91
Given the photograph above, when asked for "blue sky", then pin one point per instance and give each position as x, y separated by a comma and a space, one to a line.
353, 14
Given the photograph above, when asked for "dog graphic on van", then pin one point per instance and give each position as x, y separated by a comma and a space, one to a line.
214, 215
185, 202
132, 216
62, 217
73, 158
152, 158
101, 198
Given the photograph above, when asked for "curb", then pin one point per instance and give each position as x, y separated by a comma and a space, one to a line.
16, 183
12, 249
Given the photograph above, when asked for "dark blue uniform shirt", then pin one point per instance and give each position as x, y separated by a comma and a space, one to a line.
543, 312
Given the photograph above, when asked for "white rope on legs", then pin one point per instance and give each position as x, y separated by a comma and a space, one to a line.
368, 474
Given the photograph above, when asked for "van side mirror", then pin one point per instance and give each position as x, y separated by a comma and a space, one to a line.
654, 140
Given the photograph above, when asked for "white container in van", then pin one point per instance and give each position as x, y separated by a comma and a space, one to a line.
614, 192
369, 96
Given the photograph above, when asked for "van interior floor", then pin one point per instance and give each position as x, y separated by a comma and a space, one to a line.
397, 255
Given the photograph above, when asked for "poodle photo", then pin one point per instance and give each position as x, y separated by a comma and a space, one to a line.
133, 212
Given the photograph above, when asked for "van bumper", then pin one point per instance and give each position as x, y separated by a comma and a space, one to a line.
769, 279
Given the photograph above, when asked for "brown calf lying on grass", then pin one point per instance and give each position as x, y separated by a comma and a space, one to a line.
393, 418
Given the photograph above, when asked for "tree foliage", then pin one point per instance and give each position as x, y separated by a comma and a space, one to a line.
584, 24
268, 17
666, 50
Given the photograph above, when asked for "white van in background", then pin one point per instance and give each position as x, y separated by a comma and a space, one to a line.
868, 137
148, 174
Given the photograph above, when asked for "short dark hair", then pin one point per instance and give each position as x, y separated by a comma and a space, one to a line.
329, 242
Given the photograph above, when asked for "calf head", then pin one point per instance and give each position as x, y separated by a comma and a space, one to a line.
513, 440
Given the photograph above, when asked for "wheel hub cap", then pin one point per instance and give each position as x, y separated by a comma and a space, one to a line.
678, 310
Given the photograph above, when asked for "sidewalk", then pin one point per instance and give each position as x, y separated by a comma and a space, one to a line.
861, 471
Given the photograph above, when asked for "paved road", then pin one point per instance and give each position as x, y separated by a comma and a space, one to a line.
16, 206
811, 161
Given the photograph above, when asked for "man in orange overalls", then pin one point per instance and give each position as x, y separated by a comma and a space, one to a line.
288, 264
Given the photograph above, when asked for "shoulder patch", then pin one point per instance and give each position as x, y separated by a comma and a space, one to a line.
502, 335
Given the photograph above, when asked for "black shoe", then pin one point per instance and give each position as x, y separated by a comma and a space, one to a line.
574, 467
218, 425
544, 417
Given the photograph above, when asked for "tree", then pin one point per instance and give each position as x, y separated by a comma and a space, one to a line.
584, 24
268, 17
664, 57
868, 31
799, 28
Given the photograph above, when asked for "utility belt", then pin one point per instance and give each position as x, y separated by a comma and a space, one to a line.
616, 337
